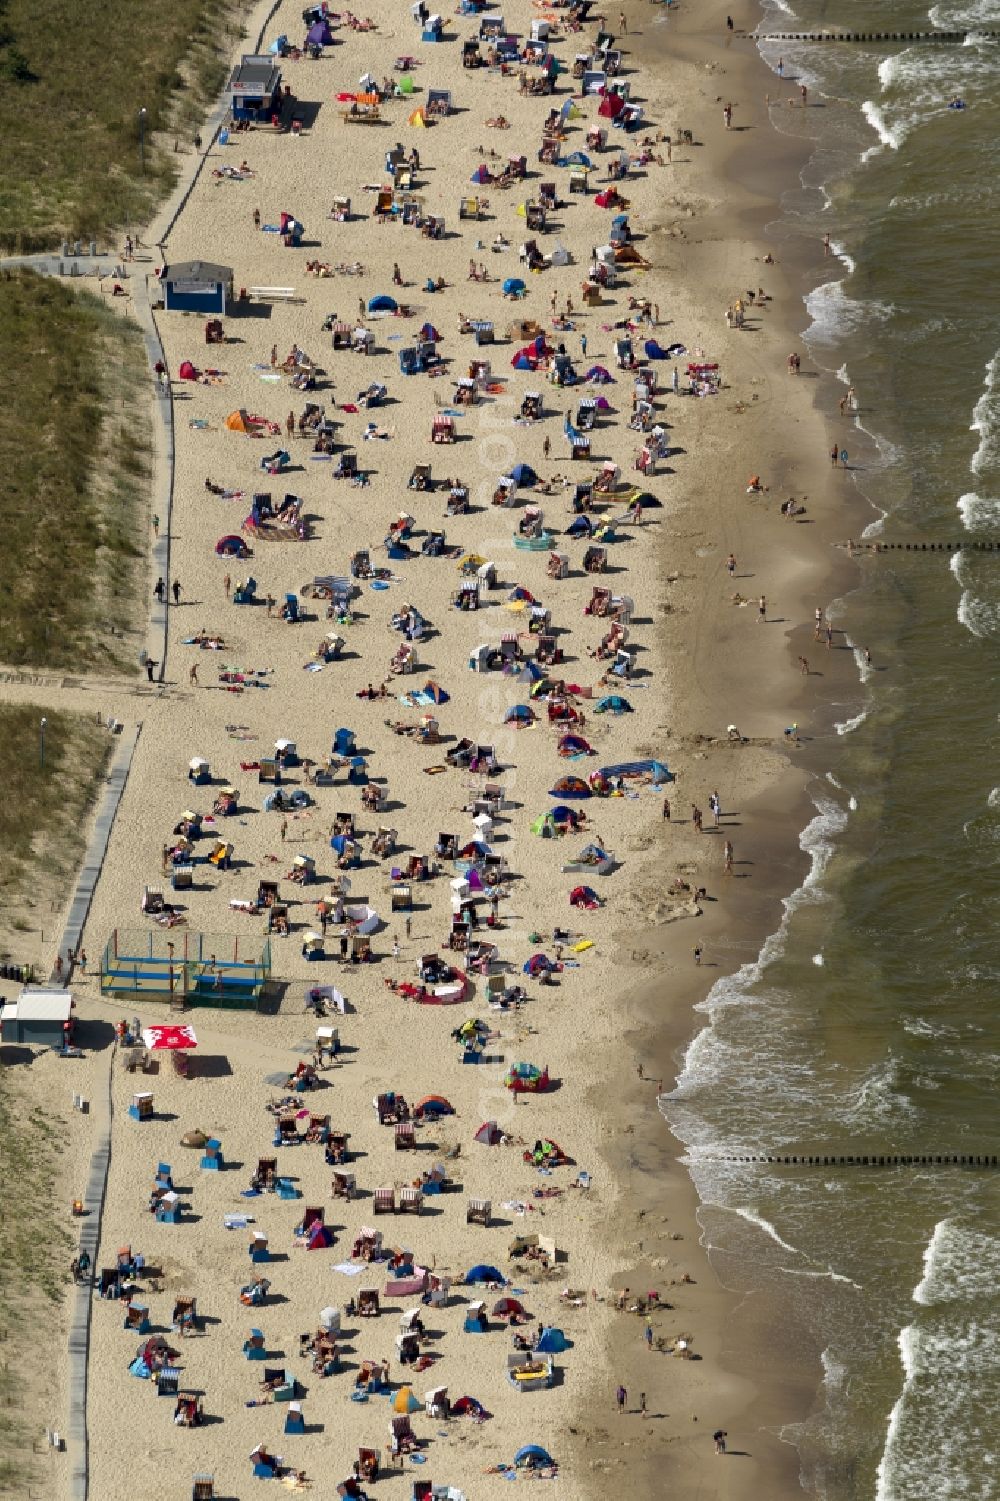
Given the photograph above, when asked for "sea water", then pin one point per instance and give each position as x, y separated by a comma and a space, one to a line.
890, 1044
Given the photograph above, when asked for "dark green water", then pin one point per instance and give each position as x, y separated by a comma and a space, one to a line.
871, 1022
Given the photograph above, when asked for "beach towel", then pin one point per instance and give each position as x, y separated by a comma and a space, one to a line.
348, 1268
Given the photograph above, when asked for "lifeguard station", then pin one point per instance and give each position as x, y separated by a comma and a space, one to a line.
189, 969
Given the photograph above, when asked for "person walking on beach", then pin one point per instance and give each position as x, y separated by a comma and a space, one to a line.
834, 455
729, 23
622, 23
829, 637
621, 1397
666, 809
395, 947
284, 829
227, 584
193, 674
150, 668
647, 1335
715, 806
804, 666
727, 115
274, 355
156, 526
159, 590
642, 1404
696, 816
762, 609
583, 345
696, 953
826, 245
719, 1439
803, 94
256, 218
175, 589
731, 565
727, 857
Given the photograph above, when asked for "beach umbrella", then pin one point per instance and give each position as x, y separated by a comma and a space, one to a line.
551, 1341
169, 1038
570, 787
405, 1401
532, 1456
504, 1307
382, 304
435, 1104
483, 1273
523, 474
513, 286
646, 501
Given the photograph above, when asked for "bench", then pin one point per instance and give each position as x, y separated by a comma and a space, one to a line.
273, 294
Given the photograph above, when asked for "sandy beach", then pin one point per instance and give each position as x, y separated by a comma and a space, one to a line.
622, 999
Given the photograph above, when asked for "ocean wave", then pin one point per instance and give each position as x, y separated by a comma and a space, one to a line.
979, 617
886, 137
879, 1097
834, 313
964, 17
848, 726
708, 1057
979, 513
960, 1265
918, 85
986, 420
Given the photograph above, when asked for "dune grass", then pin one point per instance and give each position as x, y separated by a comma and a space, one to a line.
44, 816
75, 457
35, 1272
43, 825
73, 78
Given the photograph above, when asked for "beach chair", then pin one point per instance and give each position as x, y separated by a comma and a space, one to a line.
343, 1186
294, 1420
211, 1162
384, 1201
203, 1487
411, 1201
168, 1381
168, 1209
368, 1304
184, 1319
366, 1466
267, 1171
404, 1139
253, 1346
258, 1248
141, 1108
137, 1318
479, 1212
285, 1189
476, 1321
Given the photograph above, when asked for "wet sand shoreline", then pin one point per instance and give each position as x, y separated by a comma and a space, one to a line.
756, 1374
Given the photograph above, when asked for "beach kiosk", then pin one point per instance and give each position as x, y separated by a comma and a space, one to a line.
255, 88
38, 1018
197, 287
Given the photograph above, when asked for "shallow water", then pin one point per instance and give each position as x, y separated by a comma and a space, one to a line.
870, 1023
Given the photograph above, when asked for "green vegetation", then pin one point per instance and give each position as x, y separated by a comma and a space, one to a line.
43, 819
42, 828
73, 78
75, 457
34, 1267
